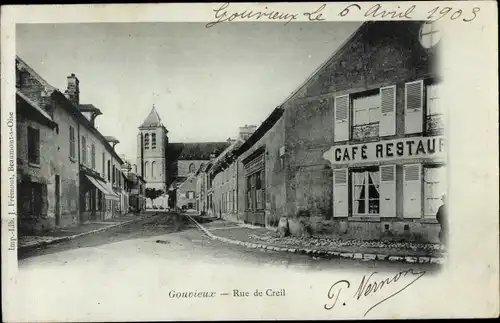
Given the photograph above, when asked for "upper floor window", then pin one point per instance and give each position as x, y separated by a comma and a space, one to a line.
422, 100
153, 141
146, 168
365, 115
153, 164
146, 141
92, 152
103, 165
109, 171
72, 145
434, 113
33, 146
84, 150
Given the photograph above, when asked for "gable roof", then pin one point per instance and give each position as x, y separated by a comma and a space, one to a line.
195, 150
152, 120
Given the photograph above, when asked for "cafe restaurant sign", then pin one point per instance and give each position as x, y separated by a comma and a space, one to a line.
403, 148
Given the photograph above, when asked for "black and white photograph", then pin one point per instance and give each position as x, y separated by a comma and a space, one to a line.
166, 166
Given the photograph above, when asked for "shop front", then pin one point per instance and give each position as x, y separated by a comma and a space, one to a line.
255, 193
98, 199
389, 189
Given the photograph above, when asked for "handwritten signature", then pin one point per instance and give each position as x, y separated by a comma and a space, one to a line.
223, 14
370, 286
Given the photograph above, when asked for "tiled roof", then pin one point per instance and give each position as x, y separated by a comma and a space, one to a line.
152, 120
195, 150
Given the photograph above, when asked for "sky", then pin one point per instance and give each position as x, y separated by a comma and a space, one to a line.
204, 82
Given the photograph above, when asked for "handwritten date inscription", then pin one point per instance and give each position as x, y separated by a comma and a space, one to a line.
371, 285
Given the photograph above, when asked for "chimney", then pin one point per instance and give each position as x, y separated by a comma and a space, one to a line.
212, 156
246, 131
73, 90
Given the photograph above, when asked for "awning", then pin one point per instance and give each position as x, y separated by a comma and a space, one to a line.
101, 186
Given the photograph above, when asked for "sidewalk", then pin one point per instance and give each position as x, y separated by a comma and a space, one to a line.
257, 237
59, 235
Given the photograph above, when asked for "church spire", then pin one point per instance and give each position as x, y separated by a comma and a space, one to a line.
152, 120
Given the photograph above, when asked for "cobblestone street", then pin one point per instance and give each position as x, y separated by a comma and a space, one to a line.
169, 236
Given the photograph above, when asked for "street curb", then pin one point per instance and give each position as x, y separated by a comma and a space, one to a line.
62, 239
324, 253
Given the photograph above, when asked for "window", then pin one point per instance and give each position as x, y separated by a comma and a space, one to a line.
153, 169
282, 157
191, 168
146, 141
366, 116
366, 192
72, 146
255, 191
434, 188
84, 149
435, 117
429, 34
153, 141
33, 146
113, 175
109, 171
103, 165
92, 152
190, 195
31, 201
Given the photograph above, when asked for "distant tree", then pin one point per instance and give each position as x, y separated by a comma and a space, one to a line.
153, 193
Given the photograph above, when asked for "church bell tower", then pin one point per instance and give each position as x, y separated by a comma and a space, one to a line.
151, 148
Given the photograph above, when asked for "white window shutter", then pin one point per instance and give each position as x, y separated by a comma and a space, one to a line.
388, 191
412, 191
414, 99
387, 111
340, 193
342, 118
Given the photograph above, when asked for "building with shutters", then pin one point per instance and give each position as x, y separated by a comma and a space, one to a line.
68, 172
365, 151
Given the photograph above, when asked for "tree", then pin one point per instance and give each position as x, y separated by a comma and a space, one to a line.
153, 193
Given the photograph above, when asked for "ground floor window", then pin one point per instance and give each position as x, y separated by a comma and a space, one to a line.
32, 198
255, 191
366, 192
434, 187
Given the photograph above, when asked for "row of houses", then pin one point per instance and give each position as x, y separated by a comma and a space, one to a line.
357, 151
67, 171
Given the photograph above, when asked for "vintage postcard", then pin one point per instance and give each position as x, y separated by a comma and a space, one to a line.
236, 161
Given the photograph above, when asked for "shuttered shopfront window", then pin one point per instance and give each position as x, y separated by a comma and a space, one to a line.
255, 186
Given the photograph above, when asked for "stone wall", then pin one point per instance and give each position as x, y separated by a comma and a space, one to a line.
275, 194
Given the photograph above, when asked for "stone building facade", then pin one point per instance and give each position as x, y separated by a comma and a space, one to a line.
62, 158
261, 173
48, 185
364, 151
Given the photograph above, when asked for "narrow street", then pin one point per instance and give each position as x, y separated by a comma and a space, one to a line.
136, 271
173, 236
